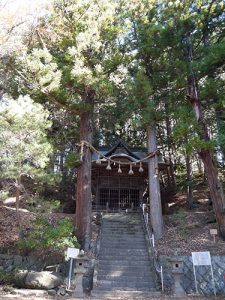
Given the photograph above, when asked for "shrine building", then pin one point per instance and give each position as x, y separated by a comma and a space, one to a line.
120, 178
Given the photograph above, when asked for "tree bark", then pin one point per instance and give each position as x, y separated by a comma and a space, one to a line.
83, 193
171, 149
189, 179
154, 187
206, 155
18, 186
220, 117
215, 187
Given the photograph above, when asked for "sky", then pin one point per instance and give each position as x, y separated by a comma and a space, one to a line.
18, 15
26, 5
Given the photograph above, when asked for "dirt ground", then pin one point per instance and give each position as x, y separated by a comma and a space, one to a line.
13, 297
185, 231
9, 229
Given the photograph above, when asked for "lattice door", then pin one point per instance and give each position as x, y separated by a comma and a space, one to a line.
119, 198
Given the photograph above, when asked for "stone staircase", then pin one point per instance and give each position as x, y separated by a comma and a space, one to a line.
124, 266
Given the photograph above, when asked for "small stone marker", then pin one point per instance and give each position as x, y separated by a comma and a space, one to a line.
213, 232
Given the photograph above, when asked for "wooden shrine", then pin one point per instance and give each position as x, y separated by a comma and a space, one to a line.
120, 178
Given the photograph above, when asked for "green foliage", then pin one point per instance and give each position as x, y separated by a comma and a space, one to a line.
72, 160
7, 278
24, 146
45, 236
133, 57
37, 204
4, 195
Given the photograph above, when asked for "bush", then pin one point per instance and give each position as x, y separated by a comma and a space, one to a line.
38, 204
4, 195
6, 277
47, 237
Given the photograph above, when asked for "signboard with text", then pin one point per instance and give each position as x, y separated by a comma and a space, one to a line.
72, 252
201, 258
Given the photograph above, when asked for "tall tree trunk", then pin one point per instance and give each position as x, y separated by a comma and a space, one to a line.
170, 149
83, 194
189, 179
154, 187
206, 155
220, 117
18, 187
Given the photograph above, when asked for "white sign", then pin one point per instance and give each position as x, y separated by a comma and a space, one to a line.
72, 252
201, 258
213, 231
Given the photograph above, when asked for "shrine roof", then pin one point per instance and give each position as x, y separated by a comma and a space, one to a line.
120, 149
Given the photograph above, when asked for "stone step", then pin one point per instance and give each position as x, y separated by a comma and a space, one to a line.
119, 232
123, 252
124, 226
119, 246
127, 222
133, 225
130, 273
124, 263
120, 217
122, 229
127, 277
103, 269
126, 285
119, 238
143, 257
123, 235
115, 293
123, 240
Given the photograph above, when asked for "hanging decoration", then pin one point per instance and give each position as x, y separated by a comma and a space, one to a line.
141, 168
98, 161
110, 161
119, 169
131, 172
108, 166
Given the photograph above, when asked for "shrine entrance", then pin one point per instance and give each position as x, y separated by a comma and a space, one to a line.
120, 178
119, 199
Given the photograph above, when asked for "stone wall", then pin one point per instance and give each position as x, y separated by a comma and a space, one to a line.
203, 275
10, 263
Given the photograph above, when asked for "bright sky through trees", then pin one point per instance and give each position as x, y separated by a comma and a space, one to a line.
16, 16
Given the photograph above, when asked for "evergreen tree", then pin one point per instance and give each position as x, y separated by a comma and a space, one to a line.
74, 64
24, 147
